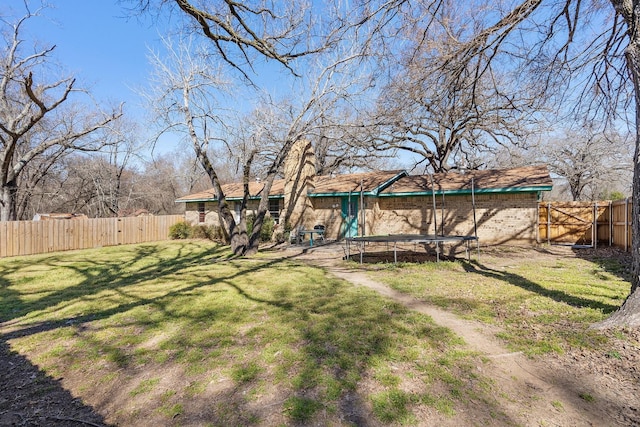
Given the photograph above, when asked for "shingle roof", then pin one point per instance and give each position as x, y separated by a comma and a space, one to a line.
529, 178
235, 191
391, 183
323, 185
371, 182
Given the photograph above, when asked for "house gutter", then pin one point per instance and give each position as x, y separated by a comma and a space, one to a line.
342, 194
377, 192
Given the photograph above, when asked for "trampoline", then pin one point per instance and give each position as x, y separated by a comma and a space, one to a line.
437, 239
411, 238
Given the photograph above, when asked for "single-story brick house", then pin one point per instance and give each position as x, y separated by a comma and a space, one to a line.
394, 202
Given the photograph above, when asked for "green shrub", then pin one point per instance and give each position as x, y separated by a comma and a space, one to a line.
616, 195
180, 230
202, 231
210, 232
611, 195
267, 227
184, 230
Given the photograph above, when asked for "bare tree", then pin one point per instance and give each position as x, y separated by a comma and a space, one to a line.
591, 163
325, 99
586, 165
440, 112
116, 179
35, 121
40, 184
628, 37
555, 41
186, 89
339, 152
161, 184
279, 31
184, 96
99, 187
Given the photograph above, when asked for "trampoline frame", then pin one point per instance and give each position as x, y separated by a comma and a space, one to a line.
411, 238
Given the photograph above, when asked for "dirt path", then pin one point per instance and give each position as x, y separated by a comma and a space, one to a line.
531, 393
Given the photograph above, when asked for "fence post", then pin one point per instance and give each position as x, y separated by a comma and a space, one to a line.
549, 223
626, 224
595, 225
538, 222
610, 223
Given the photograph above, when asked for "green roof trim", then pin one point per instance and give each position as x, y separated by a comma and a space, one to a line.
376, 193
384, 185
438, 192
341, 194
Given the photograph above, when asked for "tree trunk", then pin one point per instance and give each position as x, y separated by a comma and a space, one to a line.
628, 315
8, 202
263, 207
238, 239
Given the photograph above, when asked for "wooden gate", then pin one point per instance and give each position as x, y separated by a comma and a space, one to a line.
575, 223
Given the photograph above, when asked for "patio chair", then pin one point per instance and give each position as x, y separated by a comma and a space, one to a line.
320, 229
296, 235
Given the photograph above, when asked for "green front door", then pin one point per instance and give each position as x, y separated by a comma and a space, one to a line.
349, 217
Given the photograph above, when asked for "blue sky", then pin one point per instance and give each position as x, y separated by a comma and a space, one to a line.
99, 45
105, 47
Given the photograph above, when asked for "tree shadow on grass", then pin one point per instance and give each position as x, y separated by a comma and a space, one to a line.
528, 285
341, 331
118, 277
29, 397
96, 276
612, 260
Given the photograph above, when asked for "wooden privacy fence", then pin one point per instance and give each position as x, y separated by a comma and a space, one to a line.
586, 223
36, 237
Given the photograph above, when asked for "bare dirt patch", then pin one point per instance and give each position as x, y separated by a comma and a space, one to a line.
28, 397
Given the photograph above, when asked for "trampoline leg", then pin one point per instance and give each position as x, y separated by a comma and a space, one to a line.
395, 255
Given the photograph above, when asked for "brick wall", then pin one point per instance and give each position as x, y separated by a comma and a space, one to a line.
211, 211
501, 218
327, 211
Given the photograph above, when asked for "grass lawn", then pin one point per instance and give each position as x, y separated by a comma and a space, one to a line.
544, 302
177, 334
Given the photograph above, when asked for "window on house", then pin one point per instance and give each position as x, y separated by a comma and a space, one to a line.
274, 209
201, 212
